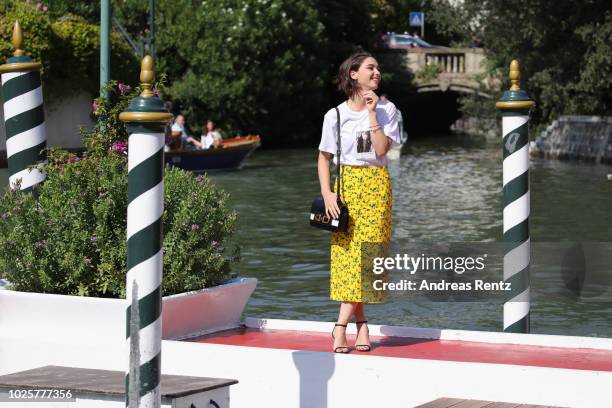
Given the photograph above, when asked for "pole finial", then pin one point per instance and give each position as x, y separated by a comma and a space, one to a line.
17, 40
146, 76
515, 75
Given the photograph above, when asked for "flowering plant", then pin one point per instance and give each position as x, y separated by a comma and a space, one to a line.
70, 236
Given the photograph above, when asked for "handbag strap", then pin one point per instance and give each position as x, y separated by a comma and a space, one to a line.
339, 151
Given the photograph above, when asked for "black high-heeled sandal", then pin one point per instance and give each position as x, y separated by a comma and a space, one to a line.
369, 347
340, 347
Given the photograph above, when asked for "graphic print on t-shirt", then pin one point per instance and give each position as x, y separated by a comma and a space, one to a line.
363, 141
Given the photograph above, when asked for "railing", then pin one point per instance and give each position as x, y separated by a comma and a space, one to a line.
449, 62
457, 62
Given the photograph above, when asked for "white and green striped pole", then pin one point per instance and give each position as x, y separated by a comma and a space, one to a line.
145, 118
515, 106
24, 117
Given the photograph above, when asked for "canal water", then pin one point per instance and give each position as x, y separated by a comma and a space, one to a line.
446, 189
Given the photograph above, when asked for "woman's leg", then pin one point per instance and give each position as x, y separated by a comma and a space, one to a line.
363, 335
360, 312
347, 310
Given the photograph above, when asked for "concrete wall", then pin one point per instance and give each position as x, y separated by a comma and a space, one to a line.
63, 119
576, 137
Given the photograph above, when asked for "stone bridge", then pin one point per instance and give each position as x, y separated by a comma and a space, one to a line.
456, 69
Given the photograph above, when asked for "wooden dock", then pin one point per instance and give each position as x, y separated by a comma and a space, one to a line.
463, 403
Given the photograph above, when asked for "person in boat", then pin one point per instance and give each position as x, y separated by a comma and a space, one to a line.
366, 190
211, 136
180, 139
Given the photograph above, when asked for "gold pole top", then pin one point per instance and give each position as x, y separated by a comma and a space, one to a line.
146, 76
146, 108
515, 75
26, 64
515, 98
17, 40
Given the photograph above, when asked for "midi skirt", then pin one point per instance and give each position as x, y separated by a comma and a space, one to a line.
366, 191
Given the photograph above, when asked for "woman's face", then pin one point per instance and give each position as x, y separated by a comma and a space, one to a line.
368, 75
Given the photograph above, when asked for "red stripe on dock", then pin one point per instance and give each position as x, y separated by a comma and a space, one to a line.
427, 349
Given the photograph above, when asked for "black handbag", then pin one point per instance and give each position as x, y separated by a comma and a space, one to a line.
318, 217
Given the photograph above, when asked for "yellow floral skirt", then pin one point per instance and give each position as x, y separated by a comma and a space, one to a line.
367, 193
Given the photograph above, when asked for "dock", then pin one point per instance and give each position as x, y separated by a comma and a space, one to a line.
462, 403
290, 364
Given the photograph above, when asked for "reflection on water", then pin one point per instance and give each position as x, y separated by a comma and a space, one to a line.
445, 190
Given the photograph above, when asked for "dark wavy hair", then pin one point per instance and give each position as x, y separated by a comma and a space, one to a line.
347, 84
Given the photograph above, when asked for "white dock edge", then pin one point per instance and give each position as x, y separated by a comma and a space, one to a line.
306, 379
544, 340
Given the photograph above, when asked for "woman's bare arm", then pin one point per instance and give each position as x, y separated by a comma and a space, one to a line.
331, 206
380, 141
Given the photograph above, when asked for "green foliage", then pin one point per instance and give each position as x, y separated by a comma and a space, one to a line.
430, 72
36, 27
444, 21
592, 89
89, 9
70, 238
68, 48
253, 66
563, 48
109, 130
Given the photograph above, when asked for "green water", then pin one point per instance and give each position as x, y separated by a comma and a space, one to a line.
445, 189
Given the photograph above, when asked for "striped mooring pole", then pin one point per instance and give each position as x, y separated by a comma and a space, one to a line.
145, 118
24, 117
515, 106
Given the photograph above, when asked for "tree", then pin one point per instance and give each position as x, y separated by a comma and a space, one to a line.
258, 66
68, 48
563, 47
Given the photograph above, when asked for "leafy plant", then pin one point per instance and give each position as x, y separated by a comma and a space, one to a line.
429, 72
243, 63
70, 236
563, 48
68, 48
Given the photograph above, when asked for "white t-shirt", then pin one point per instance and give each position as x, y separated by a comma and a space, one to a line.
208, 140
356, 138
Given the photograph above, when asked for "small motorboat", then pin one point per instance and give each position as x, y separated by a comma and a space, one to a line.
230, 155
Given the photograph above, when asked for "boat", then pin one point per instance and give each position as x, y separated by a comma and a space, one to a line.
230, 155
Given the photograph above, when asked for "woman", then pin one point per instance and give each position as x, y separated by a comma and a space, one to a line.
366, 190
210, 136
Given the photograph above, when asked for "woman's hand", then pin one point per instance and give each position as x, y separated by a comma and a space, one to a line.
371, 100
331, 205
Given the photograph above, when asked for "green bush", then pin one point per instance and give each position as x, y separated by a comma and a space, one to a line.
70, 238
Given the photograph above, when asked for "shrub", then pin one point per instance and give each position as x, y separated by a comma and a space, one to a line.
70, 236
